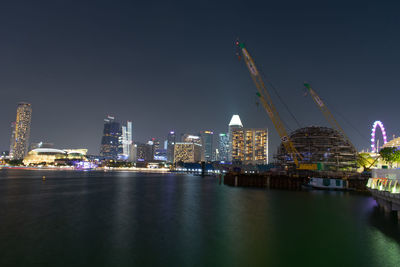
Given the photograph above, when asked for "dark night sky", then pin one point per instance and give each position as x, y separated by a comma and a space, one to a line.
172, 65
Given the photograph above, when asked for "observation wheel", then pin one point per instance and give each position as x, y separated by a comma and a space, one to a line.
374, 147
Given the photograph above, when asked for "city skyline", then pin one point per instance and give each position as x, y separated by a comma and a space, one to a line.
76, 76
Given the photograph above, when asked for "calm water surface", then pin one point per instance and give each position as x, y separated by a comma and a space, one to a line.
131, 219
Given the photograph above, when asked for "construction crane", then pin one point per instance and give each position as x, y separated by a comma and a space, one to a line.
328, 115
266, 101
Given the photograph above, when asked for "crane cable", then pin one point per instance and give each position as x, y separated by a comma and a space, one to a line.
281, 100
346, 120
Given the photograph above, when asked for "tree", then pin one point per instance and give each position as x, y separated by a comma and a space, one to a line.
15, 162
390, 154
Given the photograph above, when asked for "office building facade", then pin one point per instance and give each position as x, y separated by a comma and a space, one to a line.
110, 142
126, 141
187, 152
171, 140
207, 138
234, 124
250, 146
223, 147
21, 131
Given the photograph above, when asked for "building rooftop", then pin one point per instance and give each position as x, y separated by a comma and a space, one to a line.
235, 121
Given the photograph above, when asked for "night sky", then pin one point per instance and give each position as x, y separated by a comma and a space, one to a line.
171, 65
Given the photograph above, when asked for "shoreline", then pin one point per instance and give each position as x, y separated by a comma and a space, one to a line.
104, 169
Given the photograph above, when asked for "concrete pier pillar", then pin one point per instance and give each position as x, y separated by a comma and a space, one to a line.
387, 208
236, 181
398, 215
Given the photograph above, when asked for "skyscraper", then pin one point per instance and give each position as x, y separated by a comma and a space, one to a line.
111, 137
190, 138
155, 148
250, 146
171, 140
144, 152
126, 141
21, 131
223, 147
12, 139
187, 152
234, 124
207, 143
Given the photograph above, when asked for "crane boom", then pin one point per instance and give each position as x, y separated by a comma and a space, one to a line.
269, 107
324, 109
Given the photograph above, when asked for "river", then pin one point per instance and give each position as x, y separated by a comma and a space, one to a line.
76, 218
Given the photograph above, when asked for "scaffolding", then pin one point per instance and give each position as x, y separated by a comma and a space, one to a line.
323, 146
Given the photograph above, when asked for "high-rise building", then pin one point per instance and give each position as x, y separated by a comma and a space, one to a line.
234, 124
171, 139
12, 139
21, 131
144, 152
190, 138
207, 144
223, 147
187, 152
126, 141
110, 142
250, 146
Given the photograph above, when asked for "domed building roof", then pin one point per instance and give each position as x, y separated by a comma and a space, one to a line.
320, 145
47, 151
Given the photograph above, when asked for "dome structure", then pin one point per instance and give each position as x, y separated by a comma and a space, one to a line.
44, 155
323, 146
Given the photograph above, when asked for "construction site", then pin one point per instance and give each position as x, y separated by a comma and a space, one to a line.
316, 151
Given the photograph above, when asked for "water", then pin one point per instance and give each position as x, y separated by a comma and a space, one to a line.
127, 219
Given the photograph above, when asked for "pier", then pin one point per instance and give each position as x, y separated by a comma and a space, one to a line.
386, 192
285, 181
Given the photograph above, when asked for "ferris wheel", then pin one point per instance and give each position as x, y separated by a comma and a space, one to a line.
374, 147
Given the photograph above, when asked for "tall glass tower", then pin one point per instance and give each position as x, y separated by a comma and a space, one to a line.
171, 140
21, 131
207, 143
126, 141
223, 147
110, 141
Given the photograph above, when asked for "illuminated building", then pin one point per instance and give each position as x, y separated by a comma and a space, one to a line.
22, 131
190, 138
234, 124
155, 148
171, 139
144, 152
125, 141
110, 140
79, 153
12, 140
250, 146
207, 143
223, 147
49, 156
395, 142
187, 152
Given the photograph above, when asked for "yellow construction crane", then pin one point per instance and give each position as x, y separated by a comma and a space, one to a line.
266, 101
328, 115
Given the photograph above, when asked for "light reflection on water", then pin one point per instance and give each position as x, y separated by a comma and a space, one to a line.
125, 219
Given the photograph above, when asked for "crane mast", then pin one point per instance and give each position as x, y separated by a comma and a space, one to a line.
266, 101
324, 109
